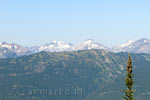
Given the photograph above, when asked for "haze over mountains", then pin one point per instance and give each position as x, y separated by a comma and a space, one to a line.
10, 50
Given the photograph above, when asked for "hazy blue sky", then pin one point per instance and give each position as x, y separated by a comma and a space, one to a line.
110, 22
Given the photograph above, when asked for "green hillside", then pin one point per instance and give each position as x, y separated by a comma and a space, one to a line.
78, 75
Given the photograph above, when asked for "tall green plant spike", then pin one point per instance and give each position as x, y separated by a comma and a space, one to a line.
129, 92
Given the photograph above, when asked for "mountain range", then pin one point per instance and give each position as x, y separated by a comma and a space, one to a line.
76, 75
11, 50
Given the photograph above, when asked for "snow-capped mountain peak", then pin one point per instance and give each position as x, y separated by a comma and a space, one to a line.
89, 44
55, 46
5, 45
54, 41
15, 48
126, 44
9, 45
59, 46
143, 40
139, 46
57, 42
89, 41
